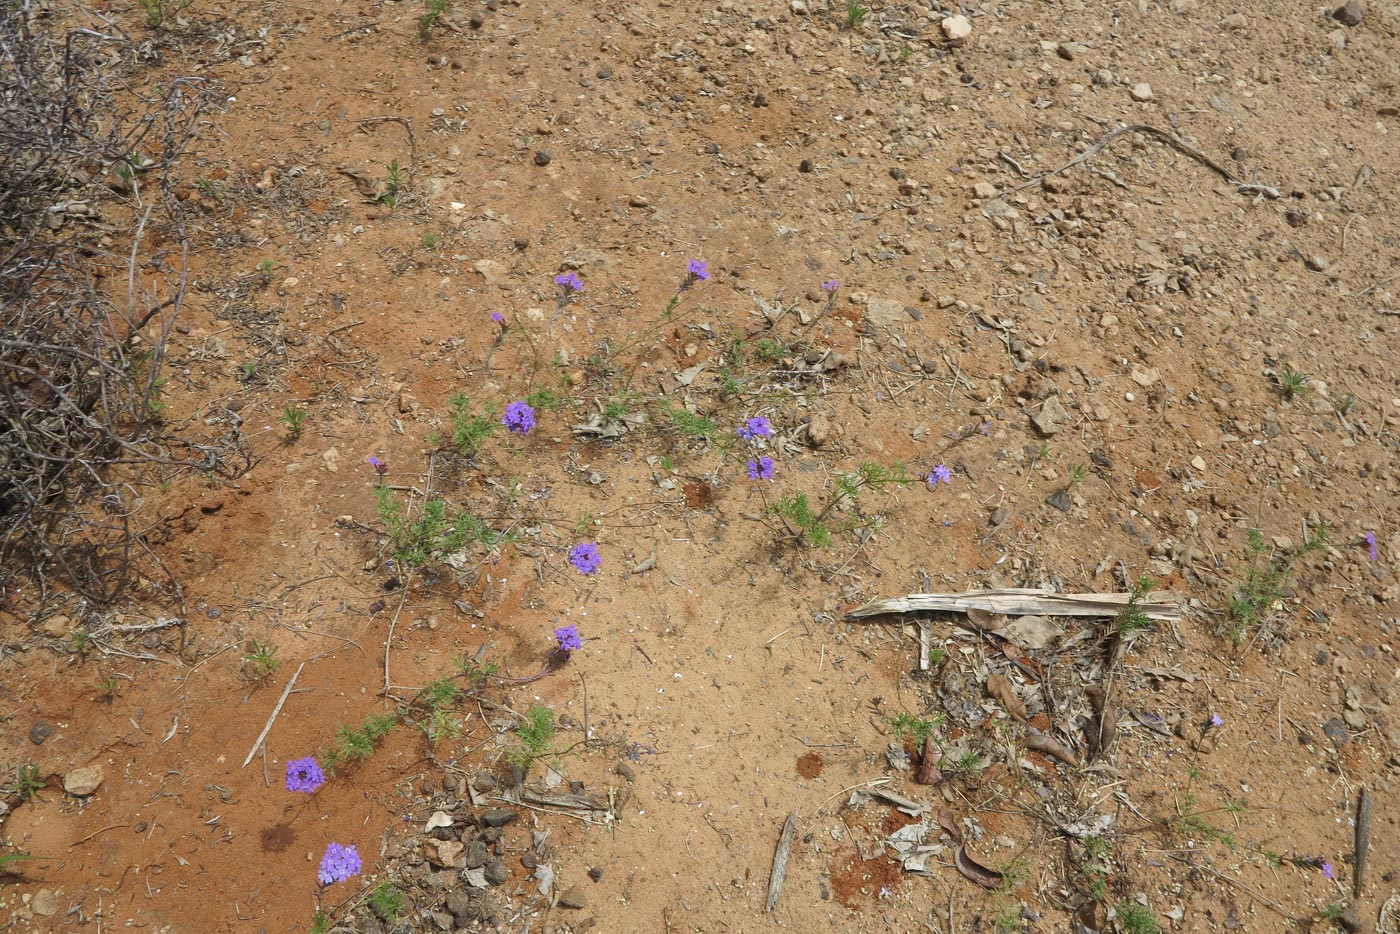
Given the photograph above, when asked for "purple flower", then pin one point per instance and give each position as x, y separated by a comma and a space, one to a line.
570, 282
519, 418
497, 317
380, 467
585, 558
761, 469
758, 427
1327, 869
339, 864
939, 474
304, 775
1215, 720
567, 637
1371, 545
698, 269
830, 286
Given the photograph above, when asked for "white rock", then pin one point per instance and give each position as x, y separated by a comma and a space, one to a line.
957, 27
1141, 92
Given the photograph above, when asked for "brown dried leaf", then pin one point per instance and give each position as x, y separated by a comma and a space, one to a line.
949, 823
981, 618
1040, 742
999, 688
987, 878
928, 773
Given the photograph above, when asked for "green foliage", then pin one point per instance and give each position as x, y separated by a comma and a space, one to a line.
478, 673
469, 431
261, 659
546, 399
209, 188
80, 643
434, 9
416, 542
159, 11
320, 923
536, 734
795, 508
1264, 581
8, 858
964, 763
1131, 618
110, 686
855, 13
386, 902
769, 351
395, 180
912, 729
936, 655
295, 420
689, 423
355, 744
1077, 473
28, 781
1292, 383
1136, 919
431, 241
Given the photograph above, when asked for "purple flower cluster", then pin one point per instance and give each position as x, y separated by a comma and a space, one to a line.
697, 270
755, 428
519, 418
1215, 721
1371, 546
339, 864
569, 282
761, 468
939, 474
568, 638
830, 286
304, 775
497, 317
380, 467
585, 558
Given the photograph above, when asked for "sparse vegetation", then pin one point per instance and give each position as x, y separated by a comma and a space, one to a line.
536, 734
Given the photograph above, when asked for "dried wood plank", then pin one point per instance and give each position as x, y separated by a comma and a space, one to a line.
1017, 602
1362, 841
780, 861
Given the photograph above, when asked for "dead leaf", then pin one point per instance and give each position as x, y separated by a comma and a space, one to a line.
949, 823
1049, 745
981, 618
1030, 632
999, 688
928, 773
1104, 730
969, 867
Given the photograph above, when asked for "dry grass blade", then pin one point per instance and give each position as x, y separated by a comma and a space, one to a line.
780, 861
1016, 602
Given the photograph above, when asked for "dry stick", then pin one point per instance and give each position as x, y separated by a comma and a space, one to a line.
1363, 840
780, 861
275, 711
1171, 139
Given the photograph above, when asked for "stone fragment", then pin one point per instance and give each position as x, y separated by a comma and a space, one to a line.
885, 312
497, 817
1350, 13
1141, 92
1051, 417
40, 731
82, 782
573, 897
956, 28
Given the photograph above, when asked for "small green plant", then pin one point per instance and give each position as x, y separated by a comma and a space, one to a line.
110, 686
1136, 919
962, 763
265, 268
1077, 473
937, 655
905, 52
209, 188
159, 11
478, 673
1345, 406
689, 423
80, 643
28, 781
395, 180
1131, 618
797, 511
536, 734
1292, 383
439, 696
248, 372
431, 241
856, 14
261, 659
320, 923
769, 351
9, 858
416, 542
914, 730
355, 744
546, 399
434, 9
1332, 912
1264, 582
295, 420
386, 902
468, 430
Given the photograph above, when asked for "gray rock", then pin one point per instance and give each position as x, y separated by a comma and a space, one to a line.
1336, 731
496, 872
477, 854
573, 897
1350, 13
464, 908
1061, 500
885, 313
543, 157
497, 817
40, 731
1049, 420
45, 902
